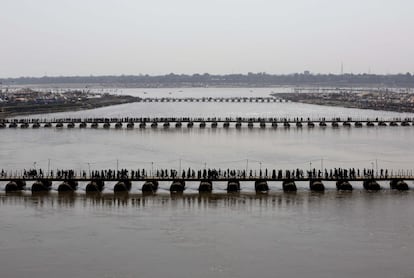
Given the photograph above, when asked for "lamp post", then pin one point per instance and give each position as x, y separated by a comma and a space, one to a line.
179, 168
310, 169
152, 169
260, 168
372, 169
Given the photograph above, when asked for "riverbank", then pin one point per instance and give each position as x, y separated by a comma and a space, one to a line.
383, 101
21, 109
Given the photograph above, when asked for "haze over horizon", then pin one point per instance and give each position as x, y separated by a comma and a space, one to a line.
129, 37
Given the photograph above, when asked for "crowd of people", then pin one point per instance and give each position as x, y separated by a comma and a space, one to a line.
199, 174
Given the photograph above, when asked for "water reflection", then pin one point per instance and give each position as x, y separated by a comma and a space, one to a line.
280, 200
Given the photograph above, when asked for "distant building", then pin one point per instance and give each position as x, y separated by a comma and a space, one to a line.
306, 72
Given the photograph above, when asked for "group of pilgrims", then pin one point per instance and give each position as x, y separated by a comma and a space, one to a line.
200, 174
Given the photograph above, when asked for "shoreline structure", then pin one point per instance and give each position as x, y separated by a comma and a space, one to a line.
27, 101
402, 102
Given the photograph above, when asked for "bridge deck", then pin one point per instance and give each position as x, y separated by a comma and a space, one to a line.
279, 120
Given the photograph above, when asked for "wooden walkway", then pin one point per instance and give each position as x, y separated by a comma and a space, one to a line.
212, 99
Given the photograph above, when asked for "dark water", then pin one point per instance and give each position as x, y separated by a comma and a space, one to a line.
357, 234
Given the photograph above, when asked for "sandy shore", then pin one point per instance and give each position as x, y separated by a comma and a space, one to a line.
27, 109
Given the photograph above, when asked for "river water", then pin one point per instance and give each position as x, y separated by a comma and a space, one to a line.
358, 234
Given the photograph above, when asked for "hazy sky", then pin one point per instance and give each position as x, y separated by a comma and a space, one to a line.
84, 37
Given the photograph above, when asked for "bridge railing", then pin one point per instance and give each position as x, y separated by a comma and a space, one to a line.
205, 119
83, 175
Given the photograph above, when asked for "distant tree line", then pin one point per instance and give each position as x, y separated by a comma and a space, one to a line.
228, 80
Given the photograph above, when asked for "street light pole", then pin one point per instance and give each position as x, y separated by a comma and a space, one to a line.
152, 169
372, 168
310, 168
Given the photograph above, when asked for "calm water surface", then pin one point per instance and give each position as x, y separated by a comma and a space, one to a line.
359, 234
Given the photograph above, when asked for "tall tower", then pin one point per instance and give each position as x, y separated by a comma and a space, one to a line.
342, 68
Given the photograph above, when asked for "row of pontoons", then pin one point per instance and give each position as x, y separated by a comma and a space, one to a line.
98, 185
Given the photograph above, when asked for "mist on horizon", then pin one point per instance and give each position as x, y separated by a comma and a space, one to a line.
129, 37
